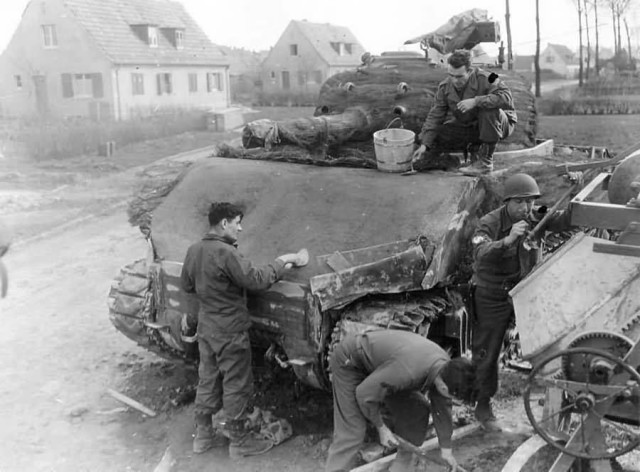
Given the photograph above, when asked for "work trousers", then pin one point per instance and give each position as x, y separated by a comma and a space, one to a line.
406, 412
491, 126
225, 375
493, 313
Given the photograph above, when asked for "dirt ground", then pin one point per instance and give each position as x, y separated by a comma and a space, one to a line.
60, 355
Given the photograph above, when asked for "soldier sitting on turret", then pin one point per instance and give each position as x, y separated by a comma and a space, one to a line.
472, 108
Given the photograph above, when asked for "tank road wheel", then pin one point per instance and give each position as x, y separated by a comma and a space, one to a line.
571, 414
128, 300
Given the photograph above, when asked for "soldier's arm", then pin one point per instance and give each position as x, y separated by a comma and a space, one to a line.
434, 119
244, 274
485, 242
498, 96
442, 419
372, 391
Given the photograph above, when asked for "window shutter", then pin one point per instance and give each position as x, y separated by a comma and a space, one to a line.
159, 83
67, 86
98, 87
209, 85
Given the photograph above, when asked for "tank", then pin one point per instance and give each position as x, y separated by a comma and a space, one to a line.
387, 251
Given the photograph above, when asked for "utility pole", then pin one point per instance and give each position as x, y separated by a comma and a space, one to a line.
507, 18
537, 58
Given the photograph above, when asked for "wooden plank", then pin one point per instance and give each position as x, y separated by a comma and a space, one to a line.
603, 215
132, 403
428, 445
617, 249
597, 182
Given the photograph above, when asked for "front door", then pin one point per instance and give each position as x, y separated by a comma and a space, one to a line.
286, 82
42, 99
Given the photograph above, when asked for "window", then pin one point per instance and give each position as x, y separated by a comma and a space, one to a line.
317, 76
18, 79
165, 84
152, 34
193, 83
49, 36
214, 82
293, 49
82, 86
347, 47
550, 59
179, 39
302, 78
137, 84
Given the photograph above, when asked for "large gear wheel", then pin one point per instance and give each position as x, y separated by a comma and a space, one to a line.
607, 341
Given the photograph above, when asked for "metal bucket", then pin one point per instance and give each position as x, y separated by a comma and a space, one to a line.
394, 149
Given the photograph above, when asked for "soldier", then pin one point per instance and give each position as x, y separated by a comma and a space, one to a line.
473, 109
395, 370
502, 257
220, 276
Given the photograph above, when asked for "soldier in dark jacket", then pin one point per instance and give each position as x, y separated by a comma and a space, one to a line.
220, 276
402, 373
502, 257
473, 109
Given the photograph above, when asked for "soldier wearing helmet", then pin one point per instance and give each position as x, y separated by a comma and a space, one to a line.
501, 260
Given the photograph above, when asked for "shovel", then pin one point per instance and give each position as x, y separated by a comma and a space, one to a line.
407, 446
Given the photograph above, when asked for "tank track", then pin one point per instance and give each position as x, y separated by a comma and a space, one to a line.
403, 312
132, 310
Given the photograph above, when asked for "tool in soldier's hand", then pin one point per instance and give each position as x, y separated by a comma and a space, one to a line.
302, 258
407, 446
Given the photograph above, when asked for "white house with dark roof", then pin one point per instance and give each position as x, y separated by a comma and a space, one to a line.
560, 59
307, 54
110, 59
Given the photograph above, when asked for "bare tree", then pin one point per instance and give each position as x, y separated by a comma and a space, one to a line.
586, 22
580, 80
537, 58
595, 14
507, 18
626, 25
612, 5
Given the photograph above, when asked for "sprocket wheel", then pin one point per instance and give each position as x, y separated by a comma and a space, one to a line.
572, 415
607, 341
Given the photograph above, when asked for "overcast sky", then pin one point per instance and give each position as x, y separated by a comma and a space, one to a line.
378, 25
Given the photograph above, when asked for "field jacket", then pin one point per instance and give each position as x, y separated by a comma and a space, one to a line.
498, 265
488, 95
398, 361
220, 276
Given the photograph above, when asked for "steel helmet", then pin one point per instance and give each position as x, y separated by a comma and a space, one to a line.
520, 186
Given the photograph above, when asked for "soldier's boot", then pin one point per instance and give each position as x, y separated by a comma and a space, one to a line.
486, 418
471, 154
244, 442
484, 164
206, 437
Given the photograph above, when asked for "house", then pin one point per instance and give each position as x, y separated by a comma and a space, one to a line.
244, 71
524, 63
307, 54
109, 59
560, 59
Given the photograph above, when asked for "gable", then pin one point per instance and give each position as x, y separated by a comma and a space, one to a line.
331, 42
119, 27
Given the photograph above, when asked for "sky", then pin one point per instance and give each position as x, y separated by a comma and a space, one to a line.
378, 25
